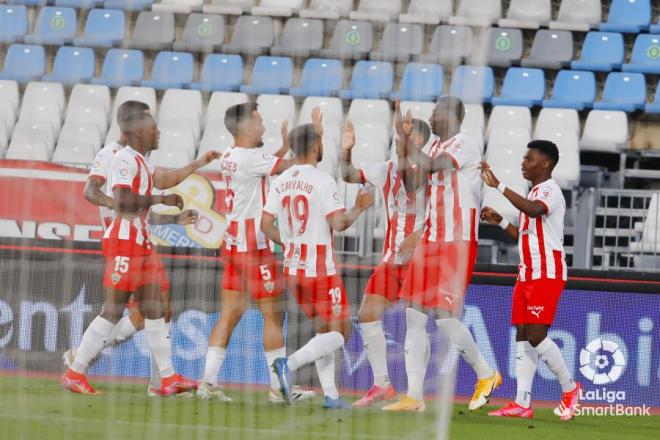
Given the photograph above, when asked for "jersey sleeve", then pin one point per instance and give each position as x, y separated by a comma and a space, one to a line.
123, 170
330, 199
464, 153
375, 174
261, 164
272, 202
101, 164
551, 196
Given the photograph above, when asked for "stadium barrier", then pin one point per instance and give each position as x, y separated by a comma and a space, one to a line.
49, 293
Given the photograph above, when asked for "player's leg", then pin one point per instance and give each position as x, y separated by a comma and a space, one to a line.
325, 365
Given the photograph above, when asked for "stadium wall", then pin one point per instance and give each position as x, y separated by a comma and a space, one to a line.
49, 294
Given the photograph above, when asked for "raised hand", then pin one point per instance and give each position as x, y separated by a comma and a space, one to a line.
364, 199
317, 120
348, 137
284, 131
491, 216
172, 200
488, 176
187, 217
407, 124
398, 117
210, 156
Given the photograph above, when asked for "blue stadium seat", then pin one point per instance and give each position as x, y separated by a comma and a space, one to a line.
103, 28
271, 75
220, 73
645, 55
574, 89
655, 28
171, 70
370, 80
79, 4
421, 82
628, 16
28, 2
128, 5
72, 65
24, 63
602, 51
13, 23
623, 91
522, 87
55, 25
473, 84
320, 77
121, 67
654, 107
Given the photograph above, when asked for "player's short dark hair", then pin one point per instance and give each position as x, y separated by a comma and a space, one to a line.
302, 138
130, 113
548, 148
236, 114
451, 104
422, 128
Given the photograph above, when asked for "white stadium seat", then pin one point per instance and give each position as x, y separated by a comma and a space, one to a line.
376, 10
32, 150
578, 15
218, 105
605, 131
504, 116
332, 109
90, 96
477, 13
368, 152
229, 7
474, 116
173, 140
33, 133
44, 111
427, 11
476, 133
74, 132
527, 14
38, 92
327, 9
178, 100
567, 172
558, 118
4, 139
419, 110
9, 93
75, 153
88, 116
162, 158
362, 110
372, 130
143, 94
278, 8
178, 6
508, 146
7, 118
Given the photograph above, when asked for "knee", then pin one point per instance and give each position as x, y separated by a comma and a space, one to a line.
365, 315
110, 315
536, 335
137, 318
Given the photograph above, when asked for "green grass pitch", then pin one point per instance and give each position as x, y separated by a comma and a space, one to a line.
39, 409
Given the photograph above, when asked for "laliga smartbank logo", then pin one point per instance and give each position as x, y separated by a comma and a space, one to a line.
603, 363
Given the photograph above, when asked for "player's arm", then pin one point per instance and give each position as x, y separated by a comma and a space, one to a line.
170, 179
533, 208
349, 173
413, 177
187, 217
269, 228
409, 243
342, 220
489, 215
93, 192
426, 163
127, 202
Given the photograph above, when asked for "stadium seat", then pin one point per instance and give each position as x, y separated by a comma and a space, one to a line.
54, 26
272, 75
477, 13
72, 65
578, 15
278, 8
171, 70
505, 116
24, 63
423, 110
182, 108
363, 110
220, 73
399, 43
473, 84
228, 7
88, 116
121, 67
550, 50
350, 40
142, 94
372, 130
628, 16
274, 110
42, 113
602, 51
8, 111
28, 133
218, 105
623, 91
475, 133
567, 174
572, 89
73, 153
14, 23
655, 28
320, 77
178, 6
252, 36
128, 5
449, 45
369, 151
428, 12
79, 4
561, 119
177, 138
39, 92
300, 38
153, 31
84, 95
522, 86
645, 55
4, 139
27, 150
654, 107
504, 47
333, 115
79, 133
605, 131
9, 94
376, 10
421, 82
327, 9
202, 33
103, 28
474, 116
527, 14
370, 80
164, 158
330, 162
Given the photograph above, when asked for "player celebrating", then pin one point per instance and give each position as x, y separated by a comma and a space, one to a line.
132, 267
249, 263
442, 265
405, 212
308, 207
541, 278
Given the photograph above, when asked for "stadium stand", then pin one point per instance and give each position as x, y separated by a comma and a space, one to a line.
103, 28
370, 80
421, 82
630, 16
572, 89
229, 7
153, 31
54, 26
522, 86
623, 91
220, 73
400, 42
602, 51
527, 14
320, 77
350, 40
477, 13
645, 56
473, 84
377, 10
427, 12
328, 9
300, 38
72, 65
550, 50
578, 15
278, 8
171, 70
13, 23
449, 45
24, 63
121, 68
273, 75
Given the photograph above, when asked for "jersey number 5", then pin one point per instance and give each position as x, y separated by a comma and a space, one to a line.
298, 209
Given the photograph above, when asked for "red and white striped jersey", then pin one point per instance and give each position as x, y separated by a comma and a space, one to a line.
541, 239
244, 171
454, 196
302, 198
405, 211
101, 168
129, 235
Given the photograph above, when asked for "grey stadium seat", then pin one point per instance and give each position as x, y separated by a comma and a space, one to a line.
427, 11
504, 46
550, 50
376, 10
450, 44
229, 7
153, 30
202, 33
327, 9
252, 36
300, 38
351, 39
400, 42
578, 15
